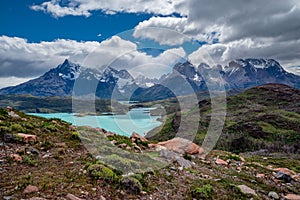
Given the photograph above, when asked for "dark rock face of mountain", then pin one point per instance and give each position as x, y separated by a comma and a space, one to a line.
72, 79
246, 73
56, 82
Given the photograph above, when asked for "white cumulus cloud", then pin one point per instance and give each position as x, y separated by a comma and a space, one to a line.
84, 7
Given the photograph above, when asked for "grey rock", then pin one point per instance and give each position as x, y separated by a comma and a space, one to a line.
246, 190
172, 156
8, 137
282, 176
273, 195
9, 197
131, 185
34, 151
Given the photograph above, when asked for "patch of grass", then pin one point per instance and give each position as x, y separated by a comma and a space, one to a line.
120, 140
233, 157
30, 160
17, 128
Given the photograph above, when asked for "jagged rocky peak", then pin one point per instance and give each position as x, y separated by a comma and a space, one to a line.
123, 73
253, 62
68, 70
186, 68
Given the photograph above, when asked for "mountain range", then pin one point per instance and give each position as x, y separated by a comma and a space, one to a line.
72, 79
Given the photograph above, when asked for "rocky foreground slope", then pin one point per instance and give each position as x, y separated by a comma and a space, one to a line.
46, 159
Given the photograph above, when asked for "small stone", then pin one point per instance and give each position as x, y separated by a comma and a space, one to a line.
30, 189
296, 177
61, 144
221, 162
128, 148
292, 197
137, 148
260, 175
102, 198
8, 137
113, 142
107, 134
17, 158
273, 195
205, 161
123, 145
242, 159
46, 155
9, 197
94, 189
34, 151
246, 190
135, 136
72, 197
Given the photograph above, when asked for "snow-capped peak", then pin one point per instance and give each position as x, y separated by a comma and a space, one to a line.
68, 70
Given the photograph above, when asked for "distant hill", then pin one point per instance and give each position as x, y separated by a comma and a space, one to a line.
263, 117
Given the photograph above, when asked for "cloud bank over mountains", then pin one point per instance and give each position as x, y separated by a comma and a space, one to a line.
231, 29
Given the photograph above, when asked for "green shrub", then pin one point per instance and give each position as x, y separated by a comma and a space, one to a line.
120, 140
204, 192
17, 128
75, 135
99, 171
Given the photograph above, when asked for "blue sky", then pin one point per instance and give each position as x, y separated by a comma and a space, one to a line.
37, 35
19, 20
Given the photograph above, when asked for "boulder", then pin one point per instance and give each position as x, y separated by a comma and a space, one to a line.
30, 189
27, 137
131, 185
246, 190
292, 197
134, 136
286, 171
282, 176
182, 146
175, 157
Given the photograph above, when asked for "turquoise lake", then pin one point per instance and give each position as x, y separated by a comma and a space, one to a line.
136, 120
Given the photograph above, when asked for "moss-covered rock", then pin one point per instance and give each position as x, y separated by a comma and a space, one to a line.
99, 171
